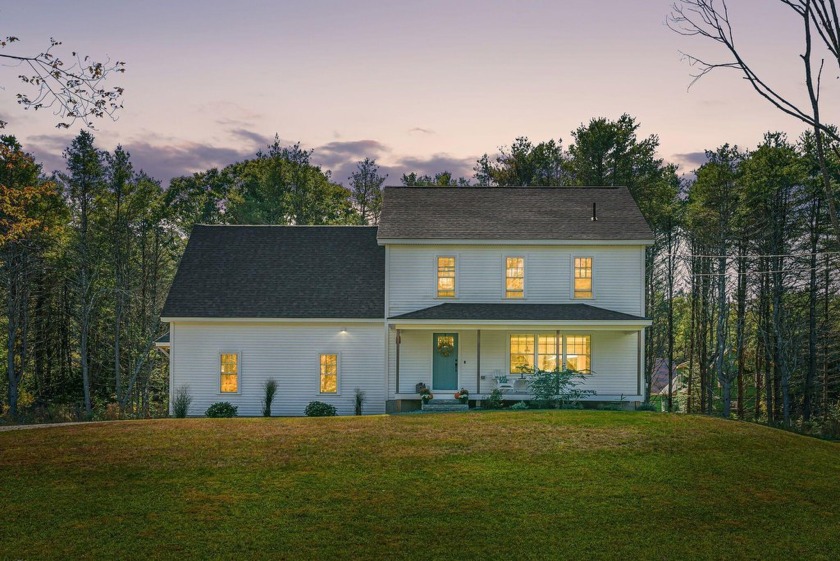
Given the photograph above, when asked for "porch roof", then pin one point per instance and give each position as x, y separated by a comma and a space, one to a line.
451, 311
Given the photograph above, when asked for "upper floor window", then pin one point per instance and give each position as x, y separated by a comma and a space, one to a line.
514, 277
329, 373
583, 277
446, 277
229, 372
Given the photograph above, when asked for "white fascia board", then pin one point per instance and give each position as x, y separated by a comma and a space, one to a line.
271, 320
603, 325
434, 241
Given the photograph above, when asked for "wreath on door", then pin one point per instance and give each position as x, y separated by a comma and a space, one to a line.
445, 346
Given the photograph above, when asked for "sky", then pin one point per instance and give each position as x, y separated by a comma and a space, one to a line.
419, 86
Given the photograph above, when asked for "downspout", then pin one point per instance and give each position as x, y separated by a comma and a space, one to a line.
397, 369
478, 362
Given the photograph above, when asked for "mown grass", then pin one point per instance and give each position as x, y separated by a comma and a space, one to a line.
494, 485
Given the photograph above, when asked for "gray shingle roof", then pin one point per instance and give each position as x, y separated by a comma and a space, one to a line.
279, 272
517, 312
511, 213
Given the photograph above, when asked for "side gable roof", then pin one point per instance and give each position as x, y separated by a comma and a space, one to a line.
511, 213
279, 272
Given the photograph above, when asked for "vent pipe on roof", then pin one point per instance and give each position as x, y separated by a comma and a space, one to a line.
594, 213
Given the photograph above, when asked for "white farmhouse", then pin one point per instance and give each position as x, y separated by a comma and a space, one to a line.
456, 288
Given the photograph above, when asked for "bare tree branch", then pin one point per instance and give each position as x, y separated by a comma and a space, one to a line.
71, 92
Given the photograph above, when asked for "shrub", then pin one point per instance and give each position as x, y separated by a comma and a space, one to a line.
646, 406
493, 401
221, 409
181, 402
270, 388
358, 401
319, 409
519, 406
557, 388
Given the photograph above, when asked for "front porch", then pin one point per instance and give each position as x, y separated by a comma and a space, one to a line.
481, 355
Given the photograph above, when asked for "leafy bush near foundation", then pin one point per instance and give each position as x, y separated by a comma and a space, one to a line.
221, 409
319, 409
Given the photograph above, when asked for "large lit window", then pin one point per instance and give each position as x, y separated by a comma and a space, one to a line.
229, 367
329, 373
446, 277
546, 350
583, 277
514, 277
577, 353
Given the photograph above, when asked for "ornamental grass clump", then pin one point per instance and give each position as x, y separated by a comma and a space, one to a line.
181, 402
358, 401
270, 389
222, 409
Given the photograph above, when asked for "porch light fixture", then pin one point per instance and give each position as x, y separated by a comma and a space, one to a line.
343, 330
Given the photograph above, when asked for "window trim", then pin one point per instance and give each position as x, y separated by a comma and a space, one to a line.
524, 277
560, 336
337, 373
238, 371
457, 259
572, 284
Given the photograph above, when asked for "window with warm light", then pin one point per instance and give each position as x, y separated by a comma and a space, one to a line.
446, 277
329, 373
521, 353
229, 367
583, 277
549, 351
514, 277
578, 353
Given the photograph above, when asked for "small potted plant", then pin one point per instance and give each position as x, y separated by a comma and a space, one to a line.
462, 395
426, 395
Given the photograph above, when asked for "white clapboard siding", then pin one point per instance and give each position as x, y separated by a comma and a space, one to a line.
617, 275
289, 353
614, 360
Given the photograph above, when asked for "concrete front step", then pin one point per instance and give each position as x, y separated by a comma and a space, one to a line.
437, 405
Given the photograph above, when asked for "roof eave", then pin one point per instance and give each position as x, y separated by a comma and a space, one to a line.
486, 241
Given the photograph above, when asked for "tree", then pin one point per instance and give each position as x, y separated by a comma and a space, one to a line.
366, 190
523, 164
709, 19
440, 179
713, 206
27, 205
85, 186
73, 91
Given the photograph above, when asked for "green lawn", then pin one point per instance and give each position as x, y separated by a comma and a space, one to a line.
494, 485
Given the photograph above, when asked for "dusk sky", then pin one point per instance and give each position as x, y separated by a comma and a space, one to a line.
425, 86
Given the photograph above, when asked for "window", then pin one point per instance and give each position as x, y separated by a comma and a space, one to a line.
546, 350
577, 352
583, 277
521, 353
547, 354
329, 373
446, 277
514, 277
229, 368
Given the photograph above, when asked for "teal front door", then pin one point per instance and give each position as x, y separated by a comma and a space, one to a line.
445, 361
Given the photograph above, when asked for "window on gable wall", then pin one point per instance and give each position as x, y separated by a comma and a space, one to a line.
329, 373
229, 372
446, 277
514, 277
583, 277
